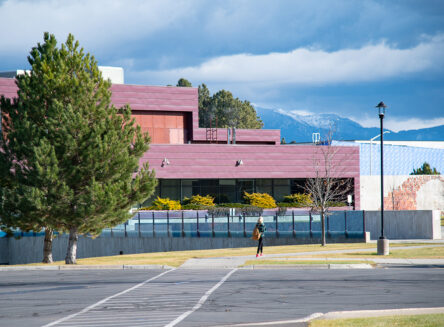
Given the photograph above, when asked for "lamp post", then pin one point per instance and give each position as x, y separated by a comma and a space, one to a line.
383, 243
371, 147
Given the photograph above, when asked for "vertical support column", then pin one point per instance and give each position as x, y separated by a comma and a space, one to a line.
138, 219
292, 216
168, 223
183, 226
245, 230
212, 225
228, 225
277, 226
124, 225
310, 220
363, 223
328, 224
197, 224
154, 232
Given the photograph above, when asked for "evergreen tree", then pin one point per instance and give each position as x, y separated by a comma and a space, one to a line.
205, 107
184, 83
425, 169
69, 159
227, 110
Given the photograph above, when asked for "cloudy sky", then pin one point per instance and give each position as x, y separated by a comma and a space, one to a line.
340, 56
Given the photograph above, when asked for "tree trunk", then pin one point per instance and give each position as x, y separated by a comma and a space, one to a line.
47, 245
323, 241
72, 247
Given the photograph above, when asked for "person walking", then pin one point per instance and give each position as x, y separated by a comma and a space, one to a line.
261, 228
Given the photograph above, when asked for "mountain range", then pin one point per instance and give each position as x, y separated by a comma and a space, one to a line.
299, 128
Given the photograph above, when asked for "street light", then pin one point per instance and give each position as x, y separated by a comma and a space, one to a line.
383, 243
371, 147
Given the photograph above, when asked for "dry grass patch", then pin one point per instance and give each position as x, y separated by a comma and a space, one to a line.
431, 320
177, 258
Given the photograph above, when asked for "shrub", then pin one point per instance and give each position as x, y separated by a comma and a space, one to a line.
164, 204
191, 206
231, 205
261, 200
219, 211
302, 199
291, 205
199, 200
250, 210
337, 204
281, 211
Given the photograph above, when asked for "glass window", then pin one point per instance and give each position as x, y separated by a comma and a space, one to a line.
227, 182
244, 185
187, 188
298, 185
170, 188
281, 189
264, 186
209, 187
227, 191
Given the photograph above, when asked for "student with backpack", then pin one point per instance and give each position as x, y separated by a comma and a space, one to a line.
258, 234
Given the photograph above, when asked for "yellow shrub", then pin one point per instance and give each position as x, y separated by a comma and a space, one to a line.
165, 204
207, 200
261, 200
299, 198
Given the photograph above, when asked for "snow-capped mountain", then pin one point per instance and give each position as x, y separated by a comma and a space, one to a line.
299, 128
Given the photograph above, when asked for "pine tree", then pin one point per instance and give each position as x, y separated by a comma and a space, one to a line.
70, 159
184, 83
425, 169
226, 110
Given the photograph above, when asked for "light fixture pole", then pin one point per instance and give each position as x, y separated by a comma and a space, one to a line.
383, 243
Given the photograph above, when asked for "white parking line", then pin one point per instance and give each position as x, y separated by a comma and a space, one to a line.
158, 304
201, 301
106, 299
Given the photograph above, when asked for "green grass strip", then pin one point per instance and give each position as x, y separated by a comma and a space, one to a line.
427, 320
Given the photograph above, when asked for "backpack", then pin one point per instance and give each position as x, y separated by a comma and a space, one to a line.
256, 234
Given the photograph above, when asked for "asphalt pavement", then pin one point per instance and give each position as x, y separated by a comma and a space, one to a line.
207, 297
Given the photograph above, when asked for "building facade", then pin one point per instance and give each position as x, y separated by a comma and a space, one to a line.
224, 163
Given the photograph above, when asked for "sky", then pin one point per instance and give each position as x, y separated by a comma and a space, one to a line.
309, 57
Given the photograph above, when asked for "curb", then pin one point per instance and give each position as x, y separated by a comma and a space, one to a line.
379, 313
88, 267
313, 266
344, 315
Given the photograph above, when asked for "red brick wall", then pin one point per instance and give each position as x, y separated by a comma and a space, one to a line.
404, 196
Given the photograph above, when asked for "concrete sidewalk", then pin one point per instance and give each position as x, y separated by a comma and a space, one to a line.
235, 262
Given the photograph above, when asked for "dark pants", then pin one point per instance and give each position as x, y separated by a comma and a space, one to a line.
260, 244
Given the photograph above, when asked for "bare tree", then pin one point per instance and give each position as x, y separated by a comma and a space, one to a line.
326, 187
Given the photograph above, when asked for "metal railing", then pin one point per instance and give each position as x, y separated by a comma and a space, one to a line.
201, 224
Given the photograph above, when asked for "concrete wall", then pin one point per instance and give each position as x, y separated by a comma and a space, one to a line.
419, 224
422, 224
30, 249
410, 192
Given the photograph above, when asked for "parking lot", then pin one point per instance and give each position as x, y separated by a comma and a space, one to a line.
206, 297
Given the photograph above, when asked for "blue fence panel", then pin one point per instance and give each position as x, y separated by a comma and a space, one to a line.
189, 223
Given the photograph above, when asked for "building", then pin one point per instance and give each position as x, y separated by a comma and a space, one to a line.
224, 163
402, 191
